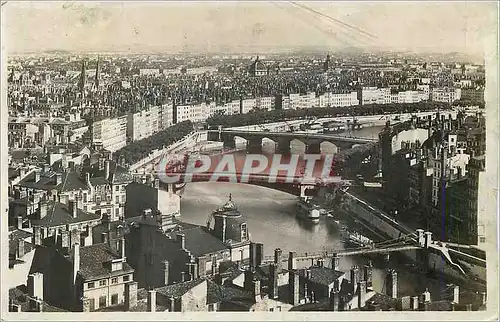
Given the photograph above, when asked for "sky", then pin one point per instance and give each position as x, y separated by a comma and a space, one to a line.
172, 27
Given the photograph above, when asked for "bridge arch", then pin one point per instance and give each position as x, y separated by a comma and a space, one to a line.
298, 146
328, 147
269, 145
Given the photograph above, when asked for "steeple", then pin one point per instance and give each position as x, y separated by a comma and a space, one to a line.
82, 78
96, 81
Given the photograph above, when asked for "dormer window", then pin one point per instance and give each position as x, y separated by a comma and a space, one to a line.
116, 265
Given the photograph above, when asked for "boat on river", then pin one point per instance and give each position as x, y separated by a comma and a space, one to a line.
307, 210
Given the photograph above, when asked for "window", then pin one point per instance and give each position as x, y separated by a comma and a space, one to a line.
102, 301
243, 231
482, 239
84, 197
117, 188
102, 283
114, 299
126, 278
117, 211
117, 199
114, 280
211, 307
91, 304
91, 285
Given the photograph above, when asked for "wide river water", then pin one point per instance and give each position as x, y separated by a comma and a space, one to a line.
271, 220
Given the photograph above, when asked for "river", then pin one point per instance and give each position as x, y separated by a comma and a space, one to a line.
271, 220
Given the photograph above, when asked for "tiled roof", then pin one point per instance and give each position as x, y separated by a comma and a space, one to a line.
218, 293
323, 275
94, 261
71, 181
179, 289
18, 295
58, 214
386, 302
200, 242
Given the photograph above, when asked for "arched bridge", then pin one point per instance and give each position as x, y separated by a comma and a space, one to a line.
283, 139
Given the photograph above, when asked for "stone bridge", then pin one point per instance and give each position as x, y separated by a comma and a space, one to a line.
311, 140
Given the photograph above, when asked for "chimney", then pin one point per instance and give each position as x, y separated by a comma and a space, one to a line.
259, 248
43, 208
249, 277
76, 261
335, 262
202, 264
46, 168
273, 280
361, 294
278, 260
428, 239
35, 305
483, 298
73, 210
152, 301
183, 277
58, 179
104, 237
426, 296
65, 243
367, 274
87, 178
468, 307
166, 271
156, 184
193, 271
256, 289
414, 303
334, 300
20, 248
354, 277
172, 304
122, 248
37, 236
37, 175
106, 169
181, 238
130, 295
421, 238
455, 294
293, 286
292, 261
71, 166
35, 285
19, 222
392, 283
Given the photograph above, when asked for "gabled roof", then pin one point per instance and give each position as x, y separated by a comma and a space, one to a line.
71, 181
95, 259
323, 275
179, 289
58, 214
219, 293
200, 242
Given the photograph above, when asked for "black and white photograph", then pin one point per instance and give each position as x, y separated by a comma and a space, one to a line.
284, 158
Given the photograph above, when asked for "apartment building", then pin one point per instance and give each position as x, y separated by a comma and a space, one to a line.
143, 124
448, 95
374, 95
109, 133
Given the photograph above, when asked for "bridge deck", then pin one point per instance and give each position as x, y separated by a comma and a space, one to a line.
294, 135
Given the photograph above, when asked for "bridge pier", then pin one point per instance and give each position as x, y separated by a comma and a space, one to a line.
283, 146
229, 142
254, 145
313, 147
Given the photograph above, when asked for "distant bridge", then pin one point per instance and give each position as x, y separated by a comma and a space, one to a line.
283, 139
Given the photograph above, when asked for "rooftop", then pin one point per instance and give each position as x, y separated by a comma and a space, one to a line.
58, 214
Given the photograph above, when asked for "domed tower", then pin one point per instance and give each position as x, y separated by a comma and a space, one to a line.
230, 226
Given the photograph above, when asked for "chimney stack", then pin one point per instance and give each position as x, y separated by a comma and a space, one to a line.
335, 262
130, 295
104, 237
414, 303
193, 271
392, 283
122, 248
334, 300
58, 179
106, 169
256, 289
43, 208
181, 238
361, 294
19, 222
172, 304
152, 301
166, 271
37, 175
65, 242
183, 277
259, 248
354, 277
20, 248
37, 236
35, 285
73, 209
421, 238
428, 239
293, 286
455, 294
278, 260
367, 274
76, 261
292, 261
273, 280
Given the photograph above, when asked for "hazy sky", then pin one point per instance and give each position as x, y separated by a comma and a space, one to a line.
250, 26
